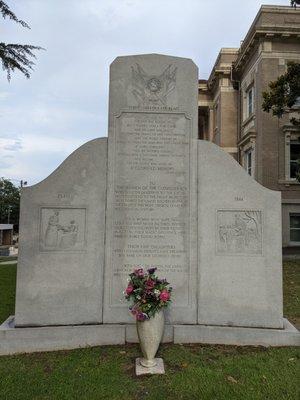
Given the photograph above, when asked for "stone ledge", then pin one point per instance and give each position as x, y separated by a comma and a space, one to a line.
50, 338
29, 340
289, 336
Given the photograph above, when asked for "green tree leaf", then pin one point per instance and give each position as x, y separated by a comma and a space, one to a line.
9, 202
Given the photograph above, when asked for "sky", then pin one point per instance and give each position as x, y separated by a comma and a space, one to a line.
65, 102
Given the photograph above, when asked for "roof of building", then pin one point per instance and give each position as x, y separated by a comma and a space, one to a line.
223, 64
270, 21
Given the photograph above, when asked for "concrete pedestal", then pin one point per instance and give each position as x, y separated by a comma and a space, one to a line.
158, 369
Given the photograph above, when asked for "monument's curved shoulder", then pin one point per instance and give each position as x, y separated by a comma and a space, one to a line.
220, 164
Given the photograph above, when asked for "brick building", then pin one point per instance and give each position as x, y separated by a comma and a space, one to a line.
230, 113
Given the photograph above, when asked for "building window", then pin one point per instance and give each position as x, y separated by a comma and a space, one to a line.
248, 163
250, 101
294, 227
294, 157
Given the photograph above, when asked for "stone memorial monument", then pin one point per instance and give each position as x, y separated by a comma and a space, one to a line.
152, 181
151, 194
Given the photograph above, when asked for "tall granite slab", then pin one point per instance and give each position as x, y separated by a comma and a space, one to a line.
151, 198
239, 236
61, 251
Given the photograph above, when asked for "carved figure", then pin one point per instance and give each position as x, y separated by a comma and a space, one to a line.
243, 234
252, 226
58, 236
51, 234
152, 89
237, 234
69, 235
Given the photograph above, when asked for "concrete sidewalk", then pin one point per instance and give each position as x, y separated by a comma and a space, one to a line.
8, 262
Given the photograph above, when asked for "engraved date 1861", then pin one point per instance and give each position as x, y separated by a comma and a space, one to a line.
238, 198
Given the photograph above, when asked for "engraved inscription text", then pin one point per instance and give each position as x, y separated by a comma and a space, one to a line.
150, 224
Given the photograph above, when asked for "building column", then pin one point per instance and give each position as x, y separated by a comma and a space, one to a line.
211, 124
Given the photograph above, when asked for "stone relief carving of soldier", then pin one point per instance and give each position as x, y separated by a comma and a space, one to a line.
51, 234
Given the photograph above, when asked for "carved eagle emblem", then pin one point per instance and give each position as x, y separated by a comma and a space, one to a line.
152, 89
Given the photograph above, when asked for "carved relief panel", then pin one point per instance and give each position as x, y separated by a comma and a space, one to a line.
239, 232
62, 229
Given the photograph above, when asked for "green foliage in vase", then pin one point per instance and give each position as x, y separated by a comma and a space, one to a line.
148, 293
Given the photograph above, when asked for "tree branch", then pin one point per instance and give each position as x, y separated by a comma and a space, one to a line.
7, 13
16, 57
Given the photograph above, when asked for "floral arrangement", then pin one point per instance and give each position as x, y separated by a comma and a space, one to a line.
148, 293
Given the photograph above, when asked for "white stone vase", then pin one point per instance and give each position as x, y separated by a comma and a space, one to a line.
150, 333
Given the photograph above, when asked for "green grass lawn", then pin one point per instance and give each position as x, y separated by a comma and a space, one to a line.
291, 291
7, 291
192, 372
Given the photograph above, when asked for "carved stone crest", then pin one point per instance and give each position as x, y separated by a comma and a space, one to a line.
152, 89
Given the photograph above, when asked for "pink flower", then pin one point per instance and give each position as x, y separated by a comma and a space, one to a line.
134, 310
129, 289
164, 296
150, 284
139, 272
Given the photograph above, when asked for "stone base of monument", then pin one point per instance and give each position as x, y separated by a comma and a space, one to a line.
157, 369
288, 336
49, 338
